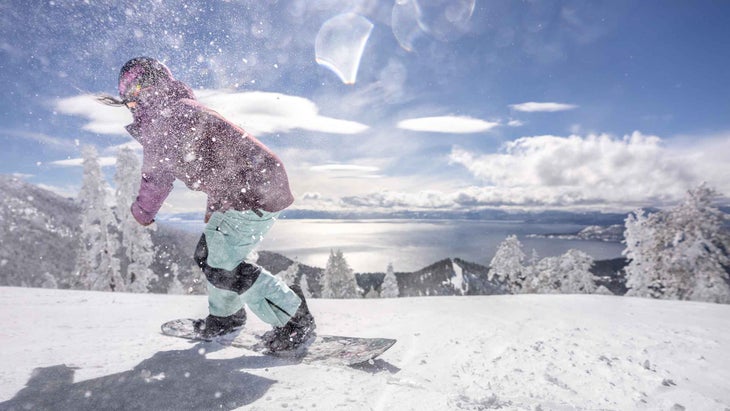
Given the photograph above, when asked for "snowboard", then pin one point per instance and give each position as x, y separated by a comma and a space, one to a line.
328, 349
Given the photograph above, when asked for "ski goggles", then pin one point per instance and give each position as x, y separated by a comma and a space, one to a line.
130, 84
134, 81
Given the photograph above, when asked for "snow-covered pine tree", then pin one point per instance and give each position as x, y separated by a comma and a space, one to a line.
372, 293
289, 276
339, 279
49, 281
97, 266
389, 289
136, 239
304, 284
546, 277
568, 273
680, 253
507, 265
642, 274
700, 247
175, 287
576, 277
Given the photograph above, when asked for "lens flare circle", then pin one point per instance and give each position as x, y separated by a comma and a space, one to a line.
340, 43
444, 20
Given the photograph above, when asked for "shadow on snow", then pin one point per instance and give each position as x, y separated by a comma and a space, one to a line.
169, 380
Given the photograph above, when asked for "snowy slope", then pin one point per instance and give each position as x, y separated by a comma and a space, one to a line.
71, 350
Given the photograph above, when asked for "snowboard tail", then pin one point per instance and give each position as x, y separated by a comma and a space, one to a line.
329, 349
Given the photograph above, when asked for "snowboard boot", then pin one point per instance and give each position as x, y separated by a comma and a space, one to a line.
213, 326
295, 333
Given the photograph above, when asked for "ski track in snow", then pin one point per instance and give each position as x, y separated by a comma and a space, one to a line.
89, 350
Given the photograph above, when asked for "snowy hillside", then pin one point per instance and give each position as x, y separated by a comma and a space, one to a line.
38, 233
39, 241
73, 350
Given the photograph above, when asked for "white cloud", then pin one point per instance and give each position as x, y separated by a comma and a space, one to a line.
258, 112
183, 200
102, 119
596, 169
533, 107
425, 199
343, 167
133, 145
593, 172
448, 124
345, 171
266, 113
43, 139
79, 162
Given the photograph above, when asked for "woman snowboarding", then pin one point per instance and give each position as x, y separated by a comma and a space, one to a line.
247, 187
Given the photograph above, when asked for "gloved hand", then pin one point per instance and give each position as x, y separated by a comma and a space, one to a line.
143, 217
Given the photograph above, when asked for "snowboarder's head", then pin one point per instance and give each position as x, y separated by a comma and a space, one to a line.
140, 73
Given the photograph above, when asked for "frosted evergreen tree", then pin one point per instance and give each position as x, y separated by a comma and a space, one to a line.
339, 279
175, 287
680, 253
507, 265
136, 239
389, 289
372, 293
568, 273
304, 284
289, 276
49, 281
642, 274
534, 259
97, 266
576, 277
700, 247
546, 278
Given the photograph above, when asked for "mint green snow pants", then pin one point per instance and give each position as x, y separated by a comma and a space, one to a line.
233, 282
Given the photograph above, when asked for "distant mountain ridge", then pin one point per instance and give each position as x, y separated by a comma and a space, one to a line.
39, 239
579, 218
613, 233
39, 234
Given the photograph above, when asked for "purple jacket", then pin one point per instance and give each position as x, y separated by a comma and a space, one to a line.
185, 140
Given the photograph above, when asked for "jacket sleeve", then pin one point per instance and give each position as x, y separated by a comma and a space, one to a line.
154, 188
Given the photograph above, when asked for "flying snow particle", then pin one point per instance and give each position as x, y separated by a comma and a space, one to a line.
340, 43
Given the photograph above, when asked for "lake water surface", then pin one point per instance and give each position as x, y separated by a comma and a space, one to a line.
369, 245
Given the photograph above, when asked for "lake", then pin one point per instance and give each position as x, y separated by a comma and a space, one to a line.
369, 245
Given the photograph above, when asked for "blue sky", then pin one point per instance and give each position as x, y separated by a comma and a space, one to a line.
454, 105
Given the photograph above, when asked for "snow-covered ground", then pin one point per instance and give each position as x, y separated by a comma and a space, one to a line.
70, 350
